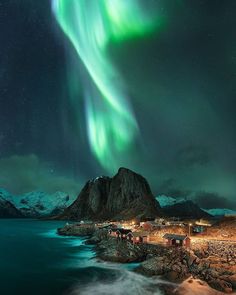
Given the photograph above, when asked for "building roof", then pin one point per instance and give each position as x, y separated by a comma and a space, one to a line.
106, 226
153, 223
203, 223
175, 237
138, 234
114, 229
123, 231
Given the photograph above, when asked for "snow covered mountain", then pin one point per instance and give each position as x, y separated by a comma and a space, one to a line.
8, 210
39, 204
220, 211
165, 201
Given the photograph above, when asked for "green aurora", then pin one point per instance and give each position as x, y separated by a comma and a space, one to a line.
91, 26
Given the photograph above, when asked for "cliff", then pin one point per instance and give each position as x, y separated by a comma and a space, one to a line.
124, 196
8, 210
38, 204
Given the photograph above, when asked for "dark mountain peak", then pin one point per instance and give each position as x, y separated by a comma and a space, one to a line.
123, 170
8, 210
187, 209
127, 175
126, 195
99, 179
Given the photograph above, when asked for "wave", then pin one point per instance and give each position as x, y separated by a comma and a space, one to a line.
123, 282
103, 278
70, 240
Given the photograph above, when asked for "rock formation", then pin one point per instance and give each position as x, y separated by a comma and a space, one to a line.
38, 204
124, 196
8, 210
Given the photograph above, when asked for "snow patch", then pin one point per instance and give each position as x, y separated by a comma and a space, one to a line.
35, 204
220, 211
165, 201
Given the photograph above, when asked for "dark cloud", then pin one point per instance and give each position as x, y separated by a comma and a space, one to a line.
208, 200
193, 155
21, 174
170, 187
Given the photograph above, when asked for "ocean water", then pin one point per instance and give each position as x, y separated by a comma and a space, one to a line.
35, 260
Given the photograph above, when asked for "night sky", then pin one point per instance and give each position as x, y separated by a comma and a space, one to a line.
180, 88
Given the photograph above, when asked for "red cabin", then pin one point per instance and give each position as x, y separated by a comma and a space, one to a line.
112, 232
150, 225
121, 233
137, 237
177, 240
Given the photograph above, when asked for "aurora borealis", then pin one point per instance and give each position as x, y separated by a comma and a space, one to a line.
89, 86
91, 25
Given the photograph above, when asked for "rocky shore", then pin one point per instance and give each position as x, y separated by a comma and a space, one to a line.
76, 230
211, 261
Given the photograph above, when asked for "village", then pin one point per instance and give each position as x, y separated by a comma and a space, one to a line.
169, 232
172, 248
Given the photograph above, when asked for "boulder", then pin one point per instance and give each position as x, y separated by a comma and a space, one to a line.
190, 258
221, 285
121, 251
152, 266
232, 280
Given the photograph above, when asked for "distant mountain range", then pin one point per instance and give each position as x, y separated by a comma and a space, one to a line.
8, 210
37, 204
185, 210
167, 201
220, 212
124, 196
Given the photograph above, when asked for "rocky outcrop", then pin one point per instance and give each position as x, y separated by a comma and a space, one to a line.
194, 287
214, 264
172, 264
211, 261
76, 230
121, 251
8, 210
224, 229
186, 209
124, 196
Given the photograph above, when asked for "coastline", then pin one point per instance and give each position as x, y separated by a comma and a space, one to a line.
188, 269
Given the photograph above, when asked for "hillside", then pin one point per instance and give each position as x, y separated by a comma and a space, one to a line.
186, 209
8, 210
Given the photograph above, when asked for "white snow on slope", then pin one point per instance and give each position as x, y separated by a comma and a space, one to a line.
165, 201
220, 211
37, 203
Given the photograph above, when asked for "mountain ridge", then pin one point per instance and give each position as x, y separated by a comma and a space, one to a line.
124, 196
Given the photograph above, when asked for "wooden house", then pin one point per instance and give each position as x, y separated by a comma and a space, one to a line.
112, 232
107, 226
137, 237
150, 225
177, 240
121, 233
201, 226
